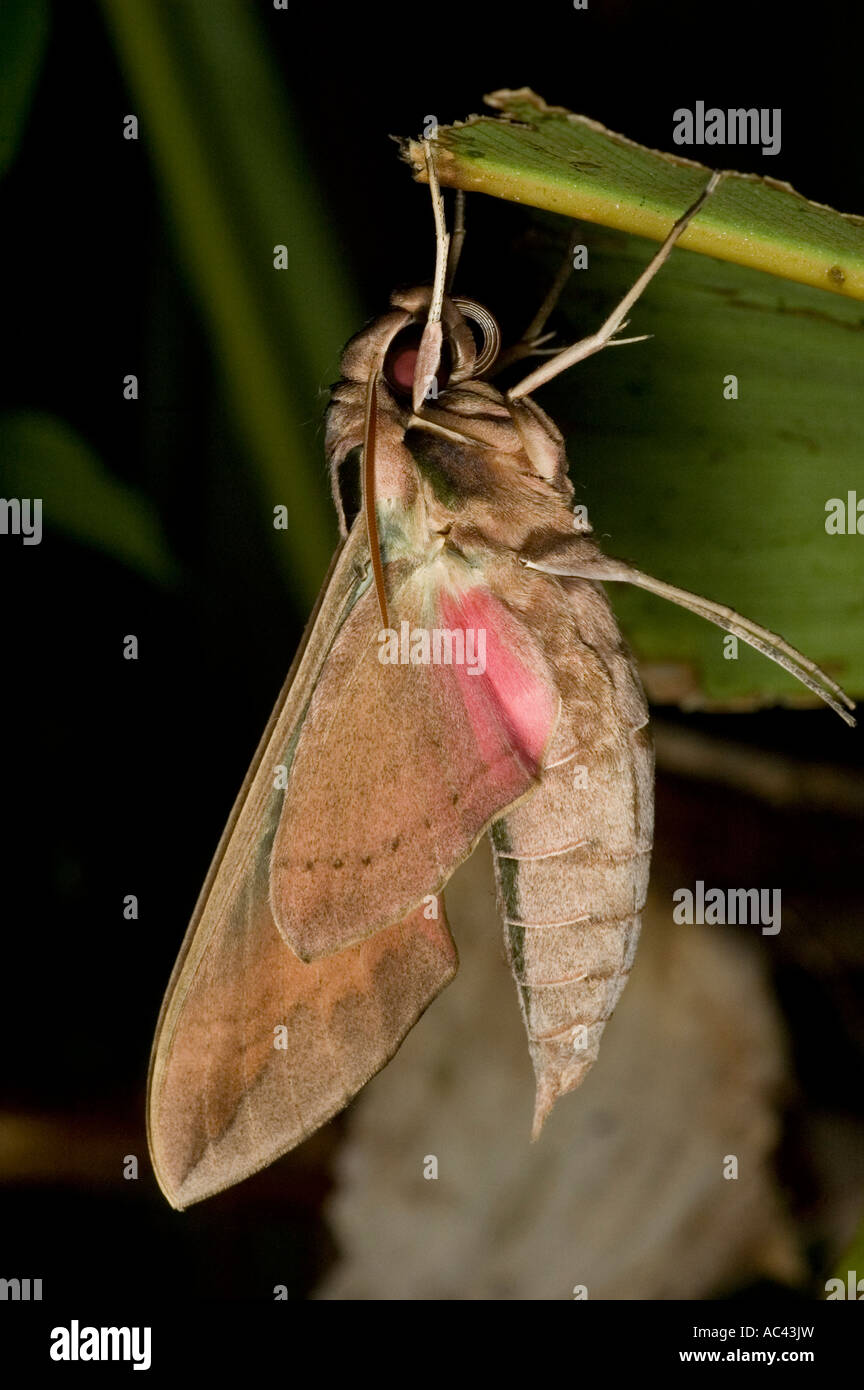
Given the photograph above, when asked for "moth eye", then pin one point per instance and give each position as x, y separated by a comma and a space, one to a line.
399, 369
401, 360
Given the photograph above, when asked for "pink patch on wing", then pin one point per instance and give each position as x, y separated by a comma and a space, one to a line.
511, 696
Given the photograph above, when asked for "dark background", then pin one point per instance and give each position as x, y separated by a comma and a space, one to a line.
118, 776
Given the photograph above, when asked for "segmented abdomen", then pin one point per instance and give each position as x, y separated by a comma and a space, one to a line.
572, 860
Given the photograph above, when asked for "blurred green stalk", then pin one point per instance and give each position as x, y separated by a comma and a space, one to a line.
214, 120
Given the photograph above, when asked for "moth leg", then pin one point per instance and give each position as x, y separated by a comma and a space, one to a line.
533, 337
541, 439
429, 351
456, 240
604, 337
770, 644
553, 294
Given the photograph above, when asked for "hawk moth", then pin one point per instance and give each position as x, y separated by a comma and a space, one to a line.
320, 935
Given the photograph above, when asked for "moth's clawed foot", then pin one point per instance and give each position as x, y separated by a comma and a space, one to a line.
533, 344
622, 342
526, 347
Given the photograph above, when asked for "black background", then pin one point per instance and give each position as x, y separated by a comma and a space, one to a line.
118, 776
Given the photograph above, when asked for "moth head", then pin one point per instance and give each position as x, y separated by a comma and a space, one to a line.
390, 345
469, 343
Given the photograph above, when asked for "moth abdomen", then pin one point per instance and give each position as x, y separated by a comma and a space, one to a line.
572, 863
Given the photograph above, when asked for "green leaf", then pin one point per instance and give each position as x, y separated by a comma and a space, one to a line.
550, 158
214, 121
725, 497
41, 457
24, 26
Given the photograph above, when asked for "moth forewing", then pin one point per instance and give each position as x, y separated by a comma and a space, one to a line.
239, 838
254, 1050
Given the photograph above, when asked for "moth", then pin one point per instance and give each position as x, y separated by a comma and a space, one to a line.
320, 935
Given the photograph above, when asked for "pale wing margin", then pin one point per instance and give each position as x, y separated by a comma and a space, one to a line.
345, 581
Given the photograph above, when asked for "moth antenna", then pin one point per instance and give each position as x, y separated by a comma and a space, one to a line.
456, 240
429, 351
577, 352
370, 429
